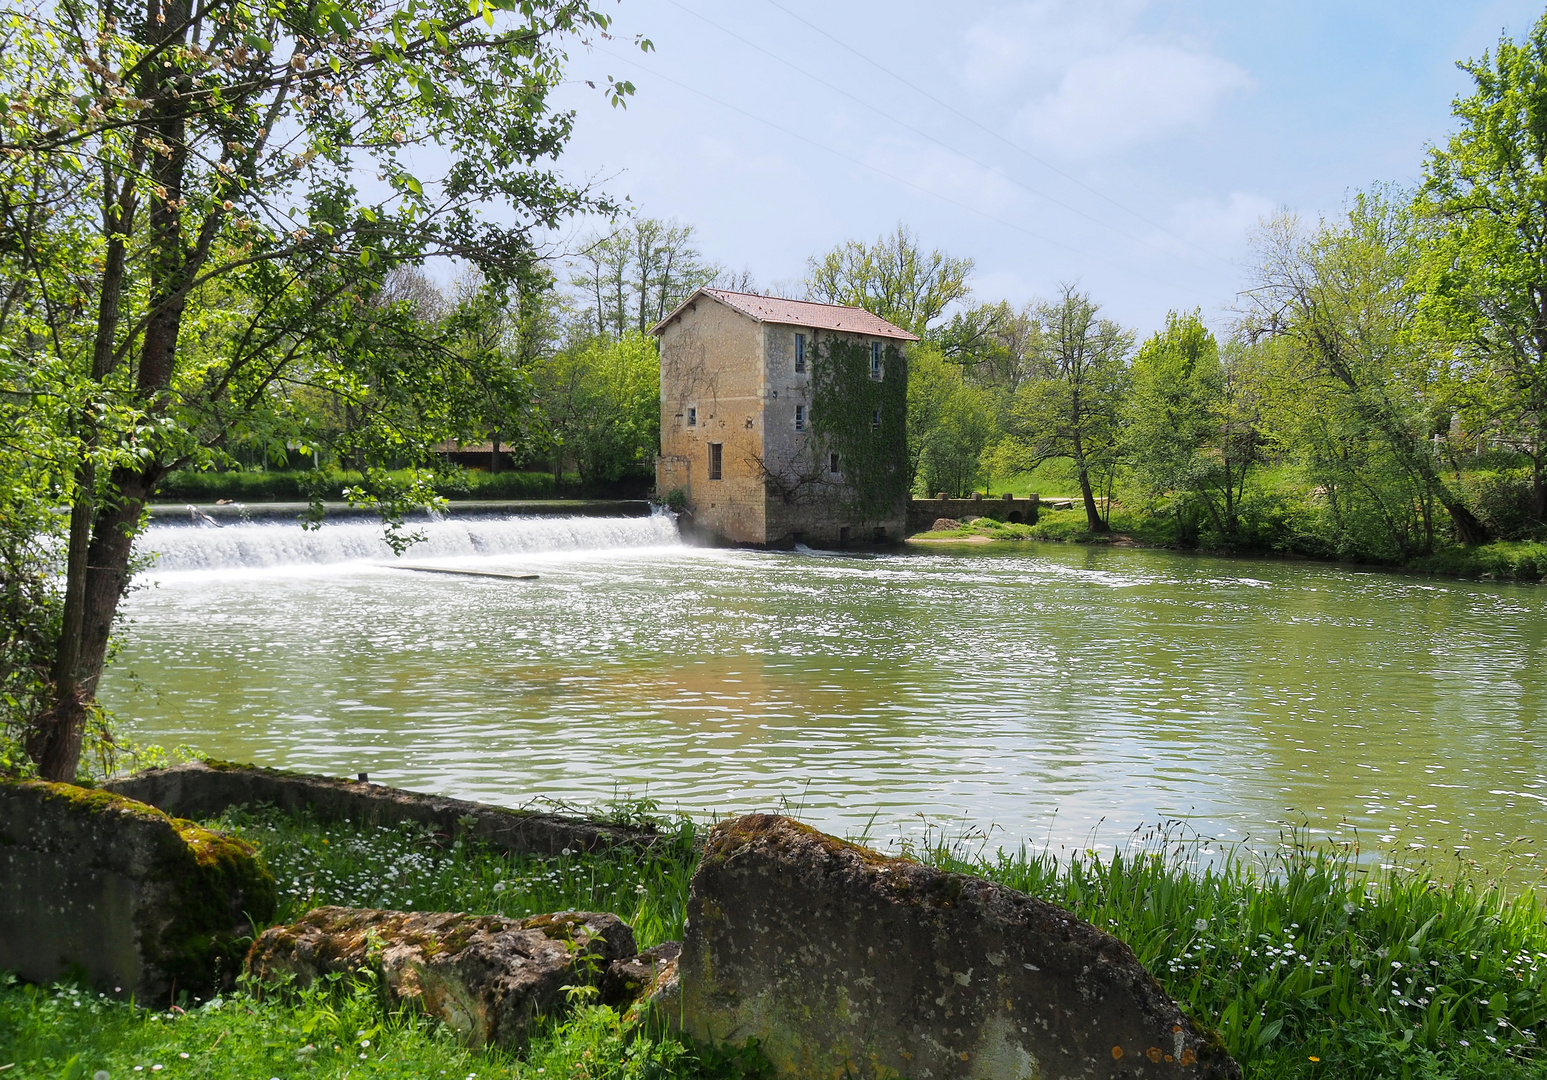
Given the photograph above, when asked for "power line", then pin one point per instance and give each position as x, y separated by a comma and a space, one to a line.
990, 131
882, 172
920, 132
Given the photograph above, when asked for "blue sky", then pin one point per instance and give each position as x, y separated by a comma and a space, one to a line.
1126, 145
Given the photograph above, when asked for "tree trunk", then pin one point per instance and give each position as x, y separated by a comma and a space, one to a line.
494, 453
1093, 520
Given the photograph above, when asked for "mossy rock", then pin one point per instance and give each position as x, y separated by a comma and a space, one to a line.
141, 902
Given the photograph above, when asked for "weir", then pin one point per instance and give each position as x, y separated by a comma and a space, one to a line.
255, 545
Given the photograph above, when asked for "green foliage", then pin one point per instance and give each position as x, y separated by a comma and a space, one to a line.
1192, 425
286, 486
950, 422
1305, 952
892, 278
863, 420
601, 401
1484, 202
1072, 406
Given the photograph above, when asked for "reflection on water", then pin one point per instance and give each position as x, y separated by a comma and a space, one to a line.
1045, 690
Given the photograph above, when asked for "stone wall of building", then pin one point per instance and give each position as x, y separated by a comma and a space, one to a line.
712, 375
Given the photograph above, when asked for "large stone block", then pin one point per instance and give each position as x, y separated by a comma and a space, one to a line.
139, 903
842, 962
207, 789
485, 976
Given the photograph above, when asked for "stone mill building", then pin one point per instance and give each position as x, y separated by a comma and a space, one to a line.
783, 421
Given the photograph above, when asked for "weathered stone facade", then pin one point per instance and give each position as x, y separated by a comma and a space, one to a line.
842, 962
140, 903
737, 400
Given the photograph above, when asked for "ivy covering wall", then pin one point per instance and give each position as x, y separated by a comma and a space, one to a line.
845, 402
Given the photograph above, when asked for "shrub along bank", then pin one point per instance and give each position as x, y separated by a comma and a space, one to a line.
1503, 560
1307, 964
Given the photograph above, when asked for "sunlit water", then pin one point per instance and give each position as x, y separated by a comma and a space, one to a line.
1045, 693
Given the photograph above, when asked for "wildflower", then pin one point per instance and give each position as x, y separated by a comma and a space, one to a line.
1201, 925
1315, 1058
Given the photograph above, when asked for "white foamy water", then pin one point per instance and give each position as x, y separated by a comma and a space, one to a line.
279, 544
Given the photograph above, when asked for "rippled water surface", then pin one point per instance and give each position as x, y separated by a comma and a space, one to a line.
1041, 691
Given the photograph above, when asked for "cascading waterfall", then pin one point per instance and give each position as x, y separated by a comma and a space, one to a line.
274, 544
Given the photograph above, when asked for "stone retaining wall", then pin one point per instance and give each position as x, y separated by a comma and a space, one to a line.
139, 903
206, 789
922, 513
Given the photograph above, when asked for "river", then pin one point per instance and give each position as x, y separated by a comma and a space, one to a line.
1054, 694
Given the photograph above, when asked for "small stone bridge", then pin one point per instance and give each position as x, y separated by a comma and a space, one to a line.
922, 513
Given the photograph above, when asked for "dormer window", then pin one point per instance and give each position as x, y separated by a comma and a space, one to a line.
800, 352
875, 360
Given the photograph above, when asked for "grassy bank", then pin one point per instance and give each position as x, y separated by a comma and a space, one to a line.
1521, 561
1307, 964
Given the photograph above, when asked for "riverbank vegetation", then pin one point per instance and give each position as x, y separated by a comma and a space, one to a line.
1307, 961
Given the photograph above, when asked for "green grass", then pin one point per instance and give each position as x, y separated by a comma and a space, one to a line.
339, 1029
1309, 964
1504, 560
1307, 961
405, 867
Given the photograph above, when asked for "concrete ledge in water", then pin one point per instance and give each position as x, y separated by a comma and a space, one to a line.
277, 511
505, 574
203, 789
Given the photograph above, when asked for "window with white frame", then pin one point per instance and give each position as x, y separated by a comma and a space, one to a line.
800, 352
875, 359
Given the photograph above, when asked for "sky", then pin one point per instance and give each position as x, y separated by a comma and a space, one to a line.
1125, 146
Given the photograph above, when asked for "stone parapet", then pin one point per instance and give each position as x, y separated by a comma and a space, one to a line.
205, 789
923, 513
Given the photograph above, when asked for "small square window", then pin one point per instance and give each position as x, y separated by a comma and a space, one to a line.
800, 418
875, 420
692, 416
716, 461
875, 359
832, 464
800, 352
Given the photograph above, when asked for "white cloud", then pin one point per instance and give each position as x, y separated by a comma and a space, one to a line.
943, 173
1092, 80
1219, 225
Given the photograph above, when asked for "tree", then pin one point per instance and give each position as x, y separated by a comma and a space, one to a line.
1485, 196
634, 276
950, 421
1071, 407
892, 278
1192, 429
185, 241
1342, 299
601, 403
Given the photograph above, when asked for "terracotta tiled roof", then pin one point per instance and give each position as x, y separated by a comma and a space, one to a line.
774, 309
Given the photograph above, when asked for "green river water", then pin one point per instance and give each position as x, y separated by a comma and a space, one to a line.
1058, 695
